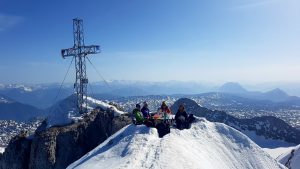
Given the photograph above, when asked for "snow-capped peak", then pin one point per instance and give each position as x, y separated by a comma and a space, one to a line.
205, 145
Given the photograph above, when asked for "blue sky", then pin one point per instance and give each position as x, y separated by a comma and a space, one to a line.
249, 41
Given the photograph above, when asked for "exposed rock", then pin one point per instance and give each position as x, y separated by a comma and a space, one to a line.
16, 153
57, 147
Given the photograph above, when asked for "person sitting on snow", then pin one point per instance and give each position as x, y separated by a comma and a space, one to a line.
164, 109
163, 127
181, 118
145, 111
139, 119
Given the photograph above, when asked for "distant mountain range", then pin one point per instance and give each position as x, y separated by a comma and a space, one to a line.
35, 98
13, 110
275, 95
38, 96
43, 96
218, 100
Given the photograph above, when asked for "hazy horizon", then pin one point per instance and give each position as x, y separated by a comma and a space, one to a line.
292, 89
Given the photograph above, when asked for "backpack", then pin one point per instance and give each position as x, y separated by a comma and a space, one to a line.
138, 116
163, 129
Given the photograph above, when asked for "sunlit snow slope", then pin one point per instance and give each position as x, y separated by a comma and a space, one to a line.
206, 145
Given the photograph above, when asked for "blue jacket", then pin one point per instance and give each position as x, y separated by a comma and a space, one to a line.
146, 112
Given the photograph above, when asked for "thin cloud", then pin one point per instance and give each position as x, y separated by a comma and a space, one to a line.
8, 21
253, 4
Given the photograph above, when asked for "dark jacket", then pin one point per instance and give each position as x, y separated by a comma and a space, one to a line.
146, 112
178, 114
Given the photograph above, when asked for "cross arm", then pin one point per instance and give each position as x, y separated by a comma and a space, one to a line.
92, 49
68, 52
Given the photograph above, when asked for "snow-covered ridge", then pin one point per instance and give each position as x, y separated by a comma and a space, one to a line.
65, 112
291, 159
278, 151
93, 103
205, 145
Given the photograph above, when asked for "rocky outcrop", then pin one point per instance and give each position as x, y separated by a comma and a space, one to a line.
16, 153
57, 147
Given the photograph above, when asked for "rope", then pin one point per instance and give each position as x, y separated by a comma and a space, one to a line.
92, 93
98, 73
59, 91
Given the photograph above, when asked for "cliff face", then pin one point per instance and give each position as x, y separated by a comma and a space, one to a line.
57, 147
16, 153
